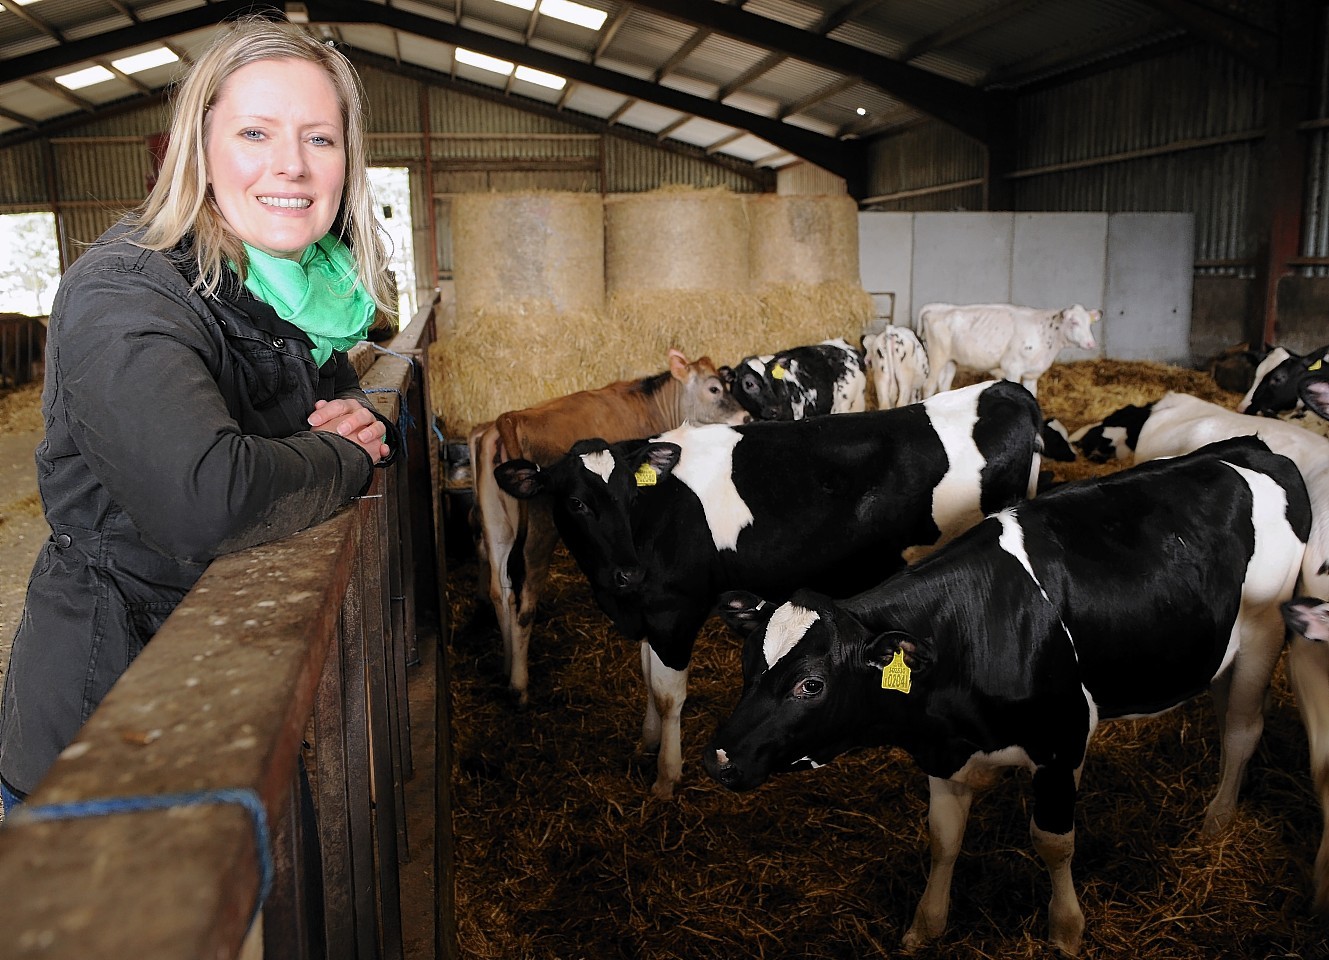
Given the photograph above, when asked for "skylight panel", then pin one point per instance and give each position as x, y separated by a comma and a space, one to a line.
85, 78
540, 77
139, 62
580, 14
492, 64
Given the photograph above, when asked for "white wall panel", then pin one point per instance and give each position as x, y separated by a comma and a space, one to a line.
1060, 259
885, 260
961, 258
1147, 312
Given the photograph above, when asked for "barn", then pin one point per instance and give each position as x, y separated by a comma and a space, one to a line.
318, 755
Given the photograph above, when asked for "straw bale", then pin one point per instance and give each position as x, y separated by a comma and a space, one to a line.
519, 247
802, 239
720, 324
676, 239
21, 408
562, 852
802, 313
488, 361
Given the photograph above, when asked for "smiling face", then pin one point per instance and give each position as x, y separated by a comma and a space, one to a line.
276, 154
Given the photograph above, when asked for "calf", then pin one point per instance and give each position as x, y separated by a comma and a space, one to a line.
516, 539
1016, 343
811, 381
661, 528
1180, 423
1105, 598
1277, 380
1112, 438
898, 365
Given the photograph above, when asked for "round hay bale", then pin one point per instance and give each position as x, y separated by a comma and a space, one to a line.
803, 313
542, 246
724, 325
486, 362
676, 239
802, 239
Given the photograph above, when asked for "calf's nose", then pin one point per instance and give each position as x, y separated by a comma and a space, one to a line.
718, 766
625, 577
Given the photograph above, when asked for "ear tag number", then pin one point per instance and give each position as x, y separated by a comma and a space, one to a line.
777, 372
896, 675
646, 475
1315, 366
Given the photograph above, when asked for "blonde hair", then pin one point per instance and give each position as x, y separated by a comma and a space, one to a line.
181, 203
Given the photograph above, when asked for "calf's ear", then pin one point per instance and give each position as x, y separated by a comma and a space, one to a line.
1308, 616
1315, 394
744, 612
655, 461
880, 650
519, 478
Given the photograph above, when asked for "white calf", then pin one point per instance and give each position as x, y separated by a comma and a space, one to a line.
1001, 339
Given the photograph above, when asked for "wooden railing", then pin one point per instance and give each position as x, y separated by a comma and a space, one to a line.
179, 823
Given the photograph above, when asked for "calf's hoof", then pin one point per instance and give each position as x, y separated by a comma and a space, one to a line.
521, 699
917, 937
663, 789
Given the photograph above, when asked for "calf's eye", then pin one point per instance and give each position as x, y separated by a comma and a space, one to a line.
809, 687
576, 506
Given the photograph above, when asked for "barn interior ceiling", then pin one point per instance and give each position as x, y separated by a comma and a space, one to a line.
767, 82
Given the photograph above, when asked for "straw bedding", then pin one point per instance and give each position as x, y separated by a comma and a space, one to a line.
562, 853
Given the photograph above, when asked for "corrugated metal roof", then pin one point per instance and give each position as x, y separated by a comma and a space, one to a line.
749, 73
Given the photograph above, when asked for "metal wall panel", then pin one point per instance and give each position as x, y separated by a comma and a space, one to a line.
100, 172
932, 155
631, 167
1315, 229
23, 177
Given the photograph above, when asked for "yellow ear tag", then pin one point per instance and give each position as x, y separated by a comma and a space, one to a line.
1315, 366
646, 475
896, 674
777, 372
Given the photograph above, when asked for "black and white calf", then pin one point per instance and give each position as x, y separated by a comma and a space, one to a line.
1278, 379
661, 528
811, 381
1114, 437
1107, 598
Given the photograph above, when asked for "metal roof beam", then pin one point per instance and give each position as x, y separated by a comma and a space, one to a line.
816, 97
954, 103
19, 118
1257, 47
32, 20
821, 150
966, 27
113, 41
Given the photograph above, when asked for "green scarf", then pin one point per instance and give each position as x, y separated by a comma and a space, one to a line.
320, 293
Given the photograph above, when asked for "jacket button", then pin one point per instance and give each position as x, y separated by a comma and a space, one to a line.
63, 540
279, 343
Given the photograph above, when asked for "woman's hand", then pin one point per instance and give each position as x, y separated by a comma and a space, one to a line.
352, 421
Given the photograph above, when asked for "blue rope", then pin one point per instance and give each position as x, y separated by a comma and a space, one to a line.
249, 799
394, 353
437, 432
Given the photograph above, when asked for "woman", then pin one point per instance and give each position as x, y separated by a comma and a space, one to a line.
198, 398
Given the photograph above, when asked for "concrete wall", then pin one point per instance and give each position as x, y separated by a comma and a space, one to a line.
1135, 267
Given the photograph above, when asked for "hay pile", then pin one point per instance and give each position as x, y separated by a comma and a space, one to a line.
562, 853
564, 292
21, 409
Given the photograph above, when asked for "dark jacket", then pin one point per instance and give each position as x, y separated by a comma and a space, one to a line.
175, 432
